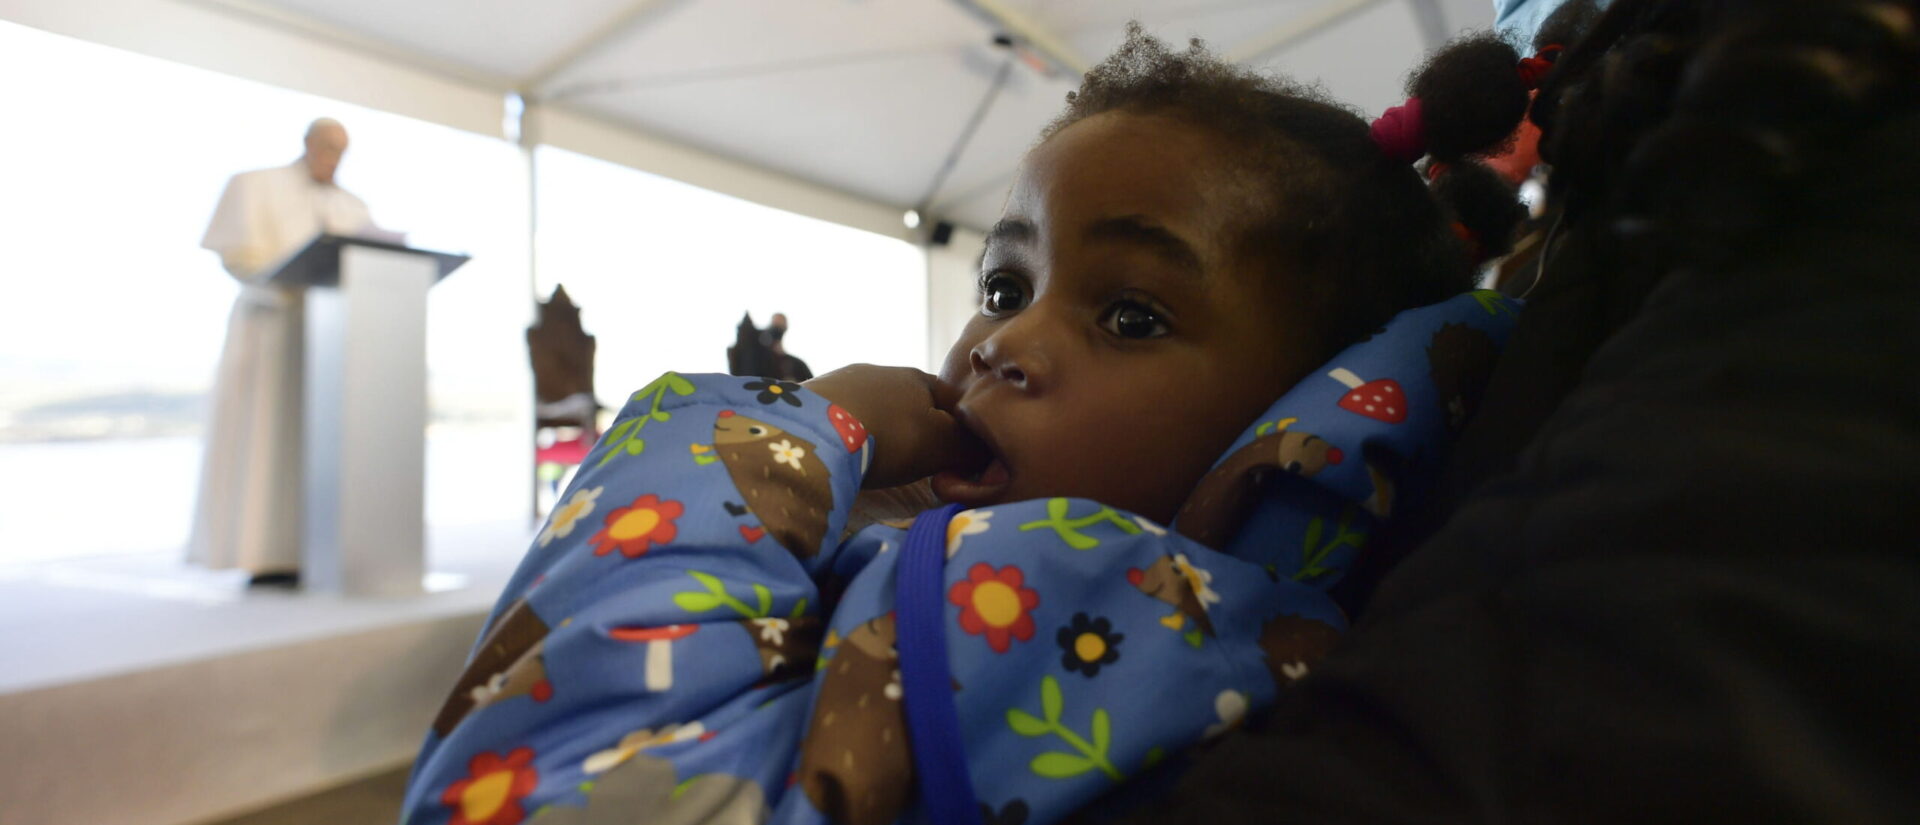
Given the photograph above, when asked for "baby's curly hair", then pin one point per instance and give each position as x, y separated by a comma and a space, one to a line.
1354, 233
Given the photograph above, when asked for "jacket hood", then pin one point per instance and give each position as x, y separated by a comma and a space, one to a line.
1357, 440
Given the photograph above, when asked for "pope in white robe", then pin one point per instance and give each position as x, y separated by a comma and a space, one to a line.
248, 513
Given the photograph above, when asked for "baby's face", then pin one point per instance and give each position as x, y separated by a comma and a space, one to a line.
1123, 339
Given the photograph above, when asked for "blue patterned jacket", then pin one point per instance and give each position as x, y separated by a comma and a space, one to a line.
690, 639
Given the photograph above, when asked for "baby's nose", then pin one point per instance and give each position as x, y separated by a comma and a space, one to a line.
1006, 370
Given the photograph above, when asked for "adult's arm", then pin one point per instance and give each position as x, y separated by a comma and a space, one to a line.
1694, 596
234, 231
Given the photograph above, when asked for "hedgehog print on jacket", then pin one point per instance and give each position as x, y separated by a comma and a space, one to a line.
1222, 499
784, 482
854, 763
787, 647
1461, 359
1293, 644
1174, 580
508, 664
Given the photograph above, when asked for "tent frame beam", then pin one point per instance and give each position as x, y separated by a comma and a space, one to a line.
258, 12
1325, 16
1030, 35
622, 23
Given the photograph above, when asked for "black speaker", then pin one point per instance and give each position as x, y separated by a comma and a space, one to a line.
942, 234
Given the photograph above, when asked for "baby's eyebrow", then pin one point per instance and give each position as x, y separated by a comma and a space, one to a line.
1009, 230
1156, 239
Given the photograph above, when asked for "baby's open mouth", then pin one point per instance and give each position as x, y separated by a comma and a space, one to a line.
978, 487
994, 473
975, 489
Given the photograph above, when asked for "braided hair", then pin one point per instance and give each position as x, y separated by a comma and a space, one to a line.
1357, 232
1700, 133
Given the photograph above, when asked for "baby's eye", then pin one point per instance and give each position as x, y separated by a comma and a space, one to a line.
1002, 293
1128, 319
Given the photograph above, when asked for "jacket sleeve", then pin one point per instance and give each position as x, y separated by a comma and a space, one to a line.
1689, 599
670, 604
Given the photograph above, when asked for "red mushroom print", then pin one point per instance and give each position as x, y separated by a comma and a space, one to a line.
1380, 399
659, 641
853, 434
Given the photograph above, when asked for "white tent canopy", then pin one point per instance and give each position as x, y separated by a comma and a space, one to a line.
846, 110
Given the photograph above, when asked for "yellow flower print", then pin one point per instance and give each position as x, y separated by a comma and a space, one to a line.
966, 523
786, 453
1200, 581
637, 741
561, 522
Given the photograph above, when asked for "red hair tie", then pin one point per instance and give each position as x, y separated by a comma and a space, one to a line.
1401, 133
1534, 69
1472, 241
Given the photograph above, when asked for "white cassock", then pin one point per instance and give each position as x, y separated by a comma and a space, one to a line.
248, 514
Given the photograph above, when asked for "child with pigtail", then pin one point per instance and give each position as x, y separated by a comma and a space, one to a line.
1138, 541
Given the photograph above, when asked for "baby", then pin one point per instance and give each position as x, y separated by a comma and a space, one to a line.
693, 639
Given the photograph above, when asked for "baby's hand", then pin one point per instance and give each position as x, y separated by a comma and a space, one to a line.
906, 411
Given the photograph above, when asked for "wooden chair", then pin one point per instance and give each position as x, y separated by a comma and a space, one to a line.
566, 410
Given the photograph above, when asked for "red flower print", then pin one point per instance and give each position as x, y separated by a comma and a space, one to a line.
995, 604
634, 528
491, 793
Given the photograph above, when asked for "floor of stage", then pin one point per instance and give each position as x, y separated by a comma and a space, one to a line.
200, 698
74, 619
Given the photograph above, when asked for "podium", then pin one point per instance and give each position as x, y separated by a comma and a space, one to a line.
364, 411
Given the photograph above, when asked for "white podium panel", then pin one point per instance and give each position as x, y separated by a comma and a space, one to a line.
366, 413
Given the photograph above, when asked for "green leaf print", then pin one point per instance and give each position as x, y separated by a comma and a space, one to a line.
1050, 700
1058, 764
717, 596
1314, 554
625, 438
1491, 301
696, 602
1273, 426
1026, 724
680, 386
1069, 528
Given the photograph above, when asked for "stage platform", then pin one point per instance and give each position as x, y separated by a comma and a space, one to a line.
136, 690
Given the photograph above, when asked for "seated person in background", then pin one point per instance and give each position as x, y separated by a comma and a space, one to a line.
785, 367
693, 637
763, 353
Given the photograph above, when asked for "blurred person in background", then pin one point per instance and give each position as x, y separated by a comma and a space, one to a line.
248, 514
762, 353
785, 367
